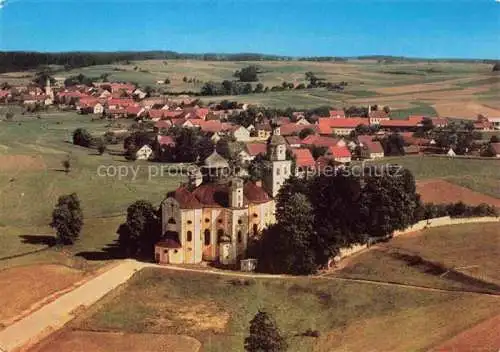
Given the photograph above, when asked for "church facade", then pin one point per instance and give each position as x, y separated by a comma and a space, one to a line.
212, 217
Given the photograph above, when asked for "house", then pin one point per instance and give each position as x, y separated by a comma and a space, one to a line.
339, 154
134, 111
98, 109
139, 94
337, 114
495, 149
240, 133
293, 141
212, 217
304, 162
411, 150
341, 127
410, 124
144, 153
254, 149
370, 149
451, 153
495, 122
323, 141
377, 116
165, 141
439, 122
292, 128
245, 157
263, 130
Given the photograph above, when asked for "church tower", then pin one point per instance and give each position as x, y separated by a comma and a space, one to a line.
236, 193
280, 168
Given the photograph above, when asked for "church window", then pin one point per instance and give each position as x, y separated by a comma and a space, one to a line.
207, 237
240, 222
171, 221
277, 172
255, 229
240, 237
189, 236
189, 222
207, 220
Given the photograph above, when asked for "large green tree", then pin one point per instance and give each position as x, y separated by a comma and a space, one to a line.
389, 200
141, 230
67, 219
264, 335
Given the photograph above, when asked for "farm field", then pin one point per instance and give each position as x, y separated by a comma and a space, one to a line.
445, 89
481, 176
82, 341
440, 191
16, 298
421, 258
216, 311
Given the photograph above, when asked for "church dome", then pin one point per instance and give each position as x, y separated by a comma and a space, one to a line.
216, 161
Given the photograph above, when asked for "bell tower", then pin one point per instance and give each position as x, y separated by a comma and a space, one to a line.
280, 169
236, 194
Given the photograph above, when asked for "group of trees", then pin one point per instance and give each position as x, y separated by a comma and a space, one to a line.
191, 145
248, 74
317, 217
455, 210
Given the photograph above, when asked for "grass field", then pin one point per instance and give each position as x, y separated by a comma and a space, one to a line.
472, 248
31, 180
216, 312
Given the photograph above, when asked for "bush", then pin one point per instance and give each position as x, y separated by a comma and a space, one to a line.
456, 210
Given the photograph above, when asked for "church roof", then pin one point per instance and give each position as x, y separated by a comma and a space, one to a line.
215, 160
217, 195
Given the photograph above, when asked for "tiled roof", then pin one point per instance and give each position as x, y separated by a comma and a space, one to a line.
326, 124
303, 158
320, 141
371, 145
339, 152
255, 149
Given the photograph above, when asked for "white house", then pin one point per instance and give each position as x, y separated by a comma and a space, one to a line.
451, 153
241, 134
144, 153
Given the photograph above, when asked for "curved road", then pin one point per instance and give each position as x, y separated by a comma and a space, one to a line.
56, 314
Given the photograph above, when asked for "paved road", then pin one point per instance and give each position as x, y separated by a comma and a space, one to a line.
57, 313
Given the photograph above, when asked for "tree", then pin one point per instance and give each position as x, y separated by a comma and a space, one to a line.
41, 79
306, 132
137, 236
287, 245
259, 88
248, 74
389, 200
9, 116
66, 164
496, 67
394, 145
264, 335
494, 139
82, 137
67, 219
167, 81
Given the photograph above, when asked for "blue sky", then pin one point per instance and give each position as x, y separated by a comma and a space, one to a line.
417, 28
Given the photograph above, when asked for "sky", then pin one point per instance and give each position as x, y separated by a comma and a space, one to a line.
413, 28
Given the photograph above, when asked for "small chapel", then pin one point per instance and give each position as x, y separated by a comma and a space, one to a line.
212, 217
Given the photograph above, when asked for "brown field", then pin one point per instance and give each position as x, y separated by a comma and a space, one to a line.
484, 337
467, 109
24, 287
21, 163
440, 191
83, 341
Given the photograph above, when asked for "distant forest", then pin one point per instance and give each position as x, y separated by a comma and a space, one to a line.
23, 61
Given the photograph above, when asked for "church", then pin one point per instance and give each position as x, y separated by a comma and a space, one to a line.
212, 217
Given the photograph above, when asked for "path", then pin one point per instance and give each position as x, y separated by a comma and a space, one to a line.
54, 315
57, 313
